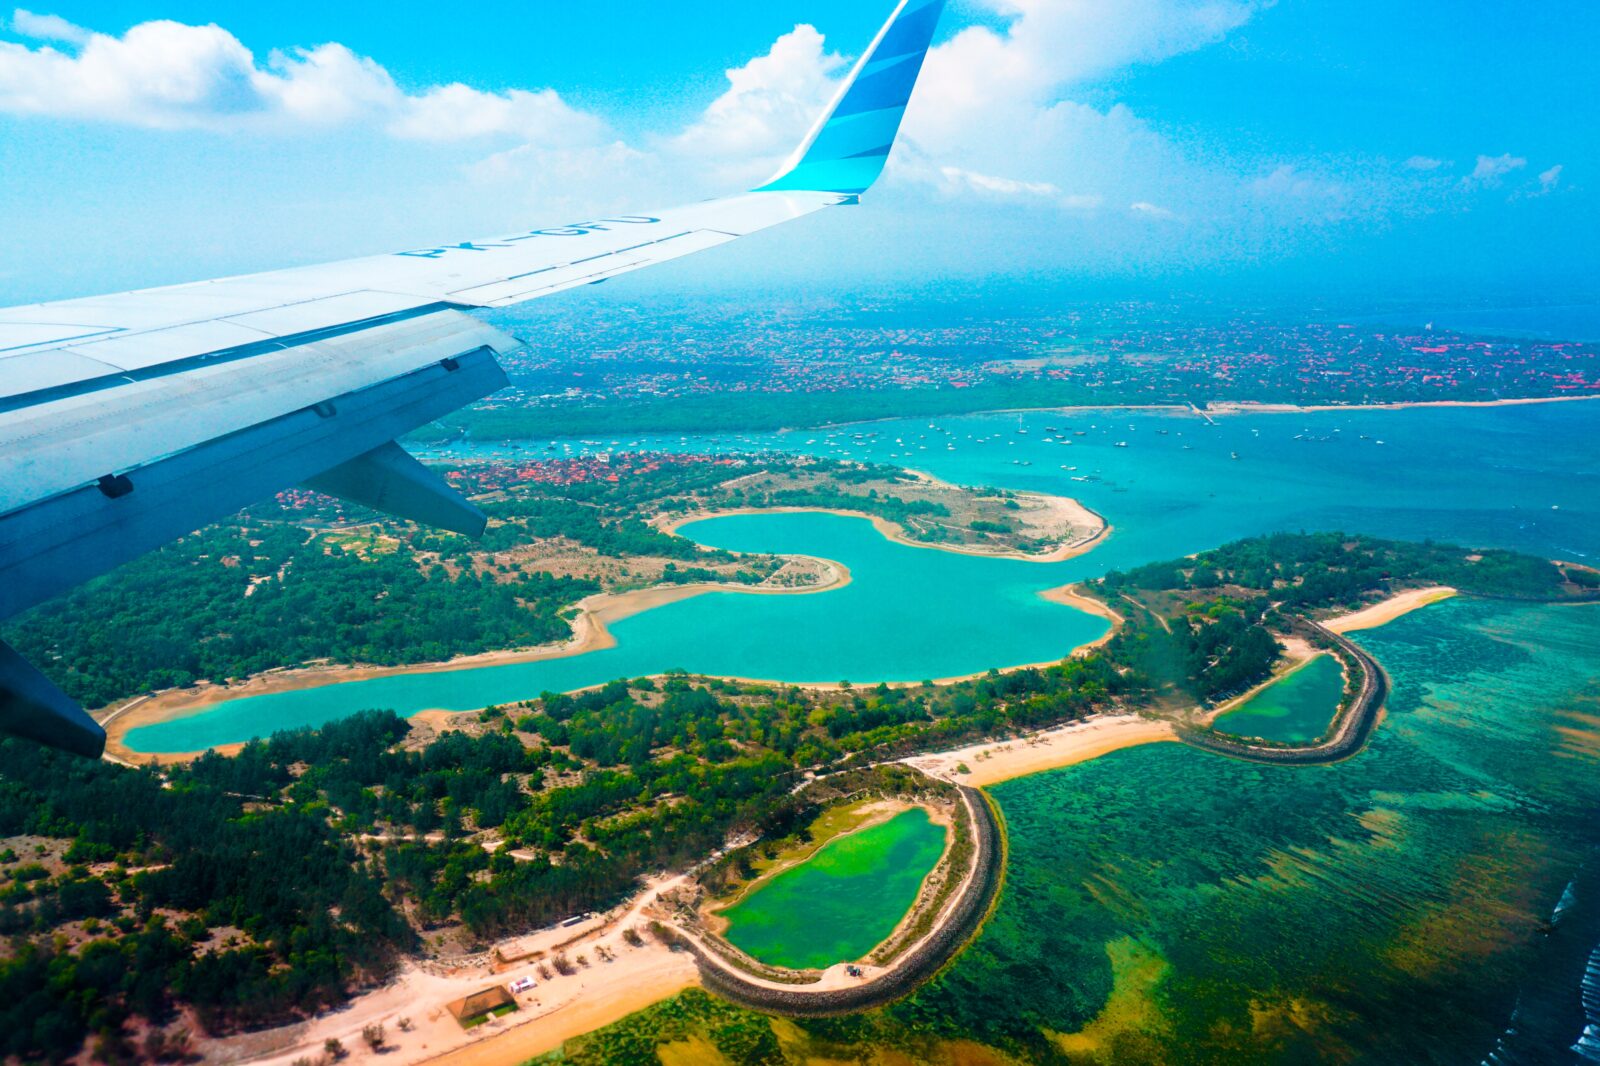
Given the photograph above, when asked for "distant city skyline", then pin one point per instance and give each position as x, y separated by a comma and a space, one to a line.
1219, 142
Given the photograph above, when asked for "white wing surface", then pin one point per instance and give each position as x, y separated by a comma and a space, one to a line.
128, 420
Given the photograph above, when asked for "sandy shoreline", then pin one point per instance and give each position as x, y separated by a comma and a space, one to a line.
1381, 614
994, 762
1223, 407
1245, 408
590, 632
1076, 513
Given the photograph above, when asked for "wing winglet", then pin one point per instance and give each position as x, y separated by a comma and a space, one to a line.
848, 148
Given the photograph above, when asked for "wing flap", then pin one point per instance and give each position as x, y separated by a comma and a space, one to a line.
41, 371
323, 312
140, 351
598, 267
57, 447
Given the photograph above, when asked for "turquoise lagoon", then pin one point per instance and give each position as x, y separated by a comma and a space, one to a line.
1524, 477
1295, 709
908, 615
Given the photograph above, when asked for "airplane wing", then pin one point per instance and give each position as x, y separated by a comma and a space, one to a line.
129, 420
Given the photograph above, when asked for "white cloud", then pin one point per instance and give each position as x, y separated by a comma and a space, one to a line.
1289, 182
987, 75
999, 120
1550, 180
168, 75
1146, 209
769, 106
457, 112
1492, 170
47, 28
1005, 188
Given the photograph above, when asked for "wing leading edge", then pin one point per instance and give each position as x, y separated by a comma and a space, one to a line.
129, 420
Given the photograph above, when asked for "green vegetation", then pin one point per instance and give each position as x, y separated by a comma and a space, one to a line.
257, 888
1207, 628
1163, 905
151, 872
306, 581
260, 851
693, 1020
759, 411
234, 601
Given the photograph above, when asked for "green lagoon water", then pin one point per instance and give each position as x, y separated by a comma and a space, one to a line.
843, 901
1293, 710
1433, 900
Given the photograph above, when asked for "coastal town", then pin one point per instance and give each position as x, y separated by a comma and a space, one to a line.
720, 356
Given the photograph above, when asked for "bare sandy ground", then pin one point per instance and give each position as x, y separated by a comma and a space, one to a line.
559, 1008
991, 763
1381, 614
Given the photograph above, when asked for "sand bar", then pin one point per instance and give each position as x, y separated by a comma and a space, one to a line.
1005, 760
1381, 614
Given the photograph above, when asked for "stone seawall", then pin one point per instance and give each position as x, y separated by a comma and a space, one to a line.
1350, 734
920, 964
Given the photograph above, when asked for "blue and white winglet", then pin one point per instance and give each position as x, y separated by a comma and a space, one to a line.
127, 421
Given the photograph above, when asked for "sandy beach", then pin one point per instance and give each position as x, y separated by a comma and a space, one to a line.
1005, 760
1222, 407
1381, 614
1244, 408
1072, 596
1066, 510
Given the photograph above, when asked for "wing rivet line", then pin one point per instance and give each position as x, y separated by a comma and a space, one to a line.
116, 486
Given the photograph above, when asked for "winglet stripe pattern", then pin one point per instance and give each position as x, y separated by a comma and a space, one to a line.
834, 159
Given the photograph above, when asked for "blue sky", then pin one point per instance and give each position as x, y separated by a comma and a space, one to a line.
1436, 146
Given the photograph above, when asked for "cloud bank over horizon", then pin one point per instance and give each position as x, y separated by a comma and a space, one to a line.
1017, 128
